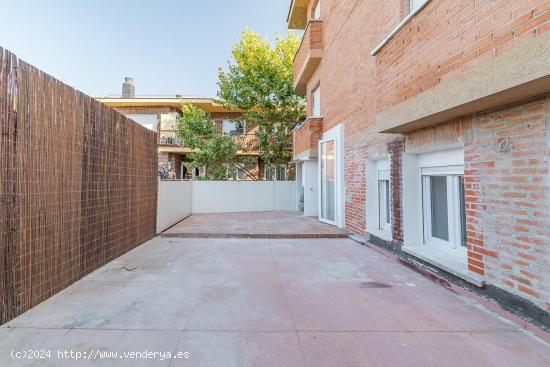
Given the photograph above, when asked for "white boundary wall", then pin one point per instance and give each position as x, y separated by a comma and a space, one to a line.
174, 203
178, 199
243, 196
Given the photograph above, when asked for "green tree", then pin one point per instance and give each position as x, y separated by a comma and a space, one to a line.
211, 149
259, 81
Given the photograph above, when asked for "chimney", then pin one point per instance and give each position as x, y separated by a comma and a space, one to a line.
128, 89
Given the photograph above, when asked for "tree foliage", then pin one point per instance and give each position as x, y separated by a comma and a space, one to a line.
211, 149
259, 81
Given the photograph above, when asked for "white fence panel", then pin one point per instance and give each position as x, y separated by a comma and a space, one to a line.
214, 196
285, 194
174, 203
255, 196
243, 196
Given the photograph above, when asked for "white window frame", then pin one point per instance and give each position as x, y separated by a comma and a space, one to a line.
316, 102
239, 172
268, 172
335, 134
240, 176
452, 174
143, 120
202, 172
447, 161
234, 124
169, 121
280, 172
317, 11
378, 170
182, 166
275, 175
413, 10
384, 198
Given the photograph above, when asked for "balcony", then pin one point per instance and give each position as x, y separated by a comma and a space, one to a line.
168, 138
309, 55
305, 138
247, 143
297, 14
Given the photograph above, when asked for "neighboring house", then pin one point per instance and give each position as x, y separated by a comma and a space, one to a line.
161, 114
428, 129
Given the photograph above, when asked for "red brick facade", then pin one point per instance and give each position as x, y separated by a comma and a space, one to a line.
355, 154
395, 150
506, 186
508, 199
307, 136
448, 37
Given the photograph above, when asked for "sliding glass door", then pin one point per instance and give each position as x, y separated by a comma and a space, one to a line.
328, 182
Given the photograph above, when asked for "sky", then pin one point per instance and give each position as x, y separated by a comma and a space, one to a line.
168, 46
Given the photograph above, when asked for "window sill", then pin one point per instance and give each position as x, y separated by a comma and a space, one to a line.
451, 261
400, 26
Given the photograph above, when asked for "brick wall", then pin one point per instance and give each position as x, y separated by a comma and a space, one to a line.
172, 161
355, 153
449, 36
506, 193
395, 150
307, 137
312, 39
346, 76
508, 200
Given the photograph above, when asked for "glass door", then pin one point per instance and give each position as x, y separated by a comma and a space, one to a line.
328, 182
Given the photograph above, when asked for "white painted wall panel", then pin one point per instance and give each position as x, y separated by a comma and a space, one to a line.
214, 196
310, 173
243, 196
174, 203
255, 196
285, 195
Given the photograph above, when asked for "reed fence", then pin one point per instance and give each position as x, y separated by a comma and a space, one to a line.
78, 185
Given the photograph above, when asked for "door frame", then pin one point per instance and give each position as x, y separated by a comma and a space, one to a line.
335, 134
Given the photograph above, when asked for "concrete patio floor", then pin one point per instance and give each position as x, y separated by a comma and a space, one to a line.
274, 224
261, 302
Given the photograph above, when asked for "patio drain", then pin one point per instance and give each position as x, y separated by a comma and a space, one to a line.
374, 285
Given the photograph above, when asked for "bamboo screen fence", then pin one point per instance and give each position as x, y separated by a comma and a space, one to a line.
78, 185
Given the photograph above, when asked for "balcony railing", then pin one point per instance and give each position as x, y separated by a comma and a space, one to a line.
308, 56
247, 143
168, 138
